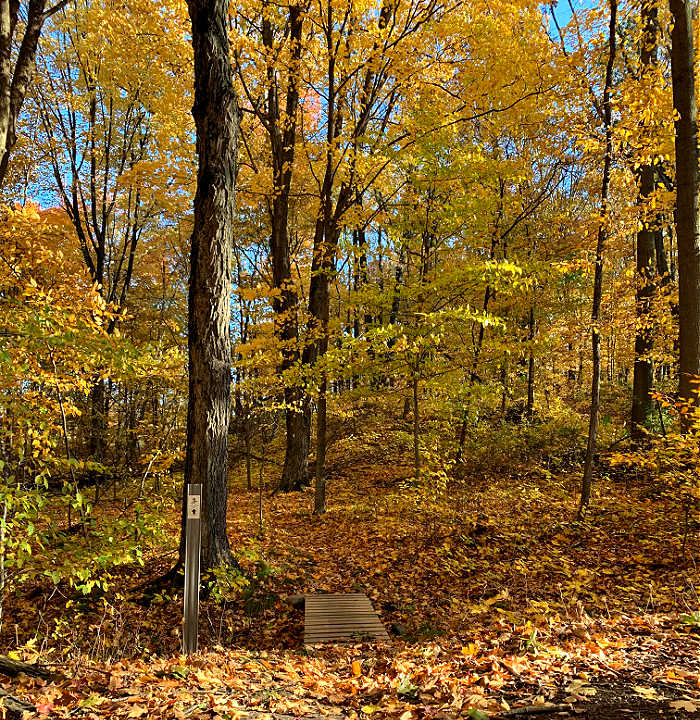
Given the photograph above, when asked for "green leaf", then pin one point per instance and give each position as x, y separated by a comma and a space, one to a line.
407, 690
477, 714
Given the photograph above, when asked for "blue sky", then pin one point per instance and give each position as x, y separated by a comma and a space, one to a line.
563, 11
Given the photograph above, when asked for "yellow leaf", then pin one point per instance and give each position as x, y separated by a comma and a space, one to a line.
683, 705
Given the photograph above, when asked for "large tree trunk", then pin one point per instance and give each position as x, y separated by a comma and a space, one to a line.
687, 230
216, 116
587, 482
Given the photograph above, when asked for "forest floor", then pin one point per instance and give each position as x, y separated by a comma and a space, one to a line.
498, 601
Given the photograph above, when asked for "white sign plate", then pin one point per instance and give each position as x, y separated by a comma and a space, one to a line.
193, 507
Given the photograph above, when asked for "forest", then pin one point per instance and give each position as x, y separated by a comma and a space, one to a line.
379, 302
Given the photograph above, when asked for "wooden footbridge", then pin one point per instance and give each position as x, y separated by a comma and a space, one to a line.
341, 618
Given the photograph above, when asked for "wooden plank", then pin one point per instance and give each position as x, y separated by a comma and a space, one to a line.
331, 606
344, 623
344, 632
341, 623
348, 614
350, 632
341, 618
337, 598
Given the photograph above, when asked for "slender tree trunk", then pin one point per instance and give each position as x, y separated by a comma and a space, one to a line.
531, 366
687, 226
16, 76
97, 424
660, 252
320, 310
216, 116
282, 135
321, 435
334, 204
472, 378
248, 466
643, 368
646, 251
489, 294
295, 473
416, 428
587, 482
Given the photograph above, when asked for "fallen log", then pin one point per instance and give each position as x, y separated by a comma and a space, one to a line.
14, 707
535, 710
13, 668
298, 602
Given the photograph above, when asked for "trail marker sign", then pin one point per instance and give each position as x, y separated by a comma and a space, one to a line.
193, 546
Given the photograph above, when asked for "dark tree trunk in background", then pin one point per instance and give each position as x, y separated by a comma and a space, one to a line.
216, 116
416, 427
321, 444
687, 230
529, 412
325, 245
646, 252
661, 258
587, 482
334, 204
643, 368
98, 423
280, 125
16, 73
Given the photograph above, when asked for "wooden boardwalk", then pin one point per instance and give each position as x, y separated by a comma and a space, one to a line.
341, 619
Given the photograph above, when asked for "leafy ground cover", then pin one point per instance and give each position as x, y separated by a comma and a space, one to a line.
498, 601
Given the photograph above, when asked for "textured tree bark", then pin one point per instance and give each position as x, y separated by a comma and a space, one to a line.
687, 228
15, 77
14, 708
646, 252
295, 472
643, 368
13, 668
587, 482
217, 116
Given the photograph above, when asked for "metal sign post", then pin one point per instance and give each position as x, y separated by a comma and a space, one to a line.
193, 544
